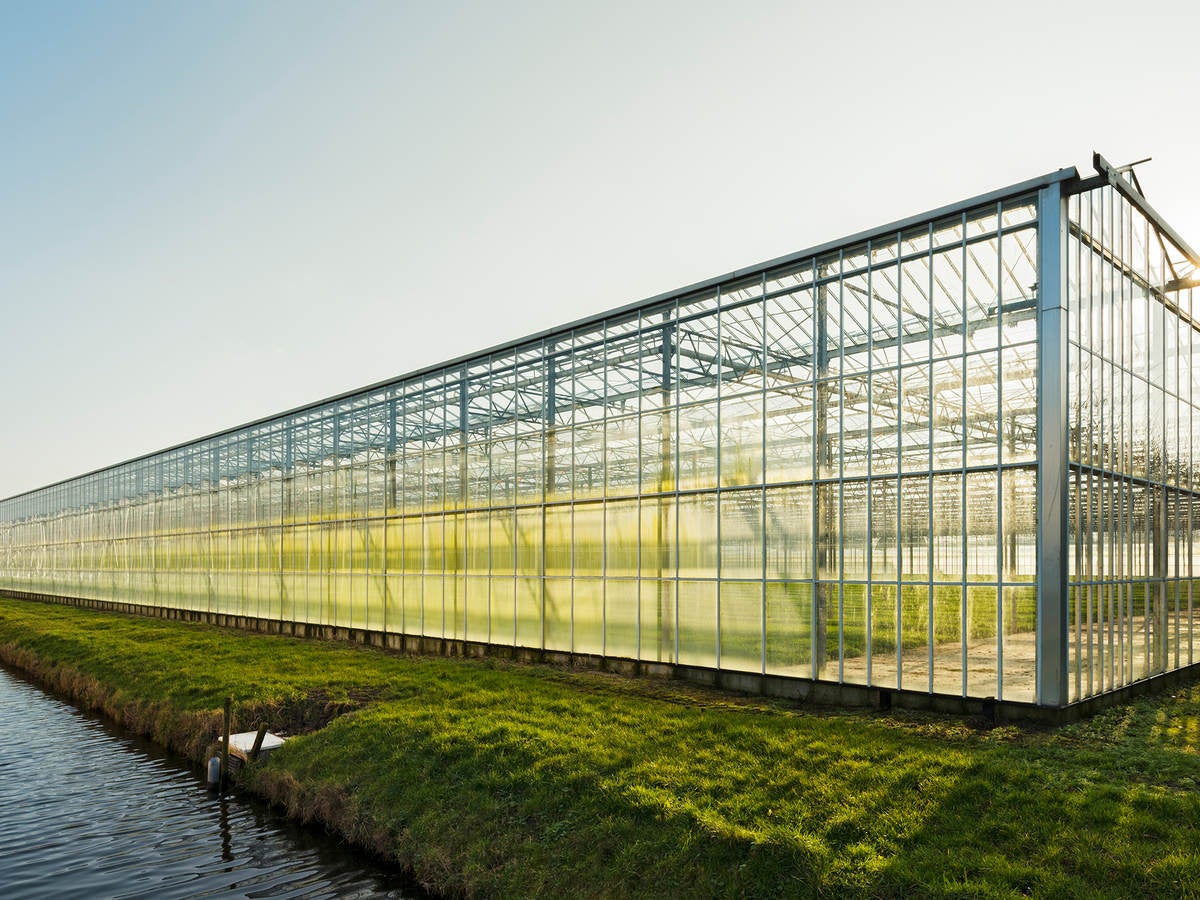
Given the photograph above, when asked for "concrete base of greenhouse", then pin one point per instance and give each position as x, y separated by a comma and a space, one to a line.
786, 687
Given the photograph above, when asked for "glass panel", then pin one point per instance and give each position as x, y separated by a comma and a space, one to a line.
697, 547
587, 542
741, 534
698, 623
915, 309
789, 520
790, 328
589, 459
558, 540
741, 440
789, 434
476, 556
1018, 285
557, 604
741, 341
1020, 631
621, 456
854, 534
1020, 524
529, 611
1018, 420
947, 527
885, 422
455, 605
982, 524
948, 413
621, 538
826, 630
883, 618
621, 617
855, 436
433, 617
657, 620
915, 528
981, 265
588, 616
529, 524
503, 600
477, 609
559, 475
915, 418
854, 633
947, 303
741, 625
658, 451
982, 659
698, 446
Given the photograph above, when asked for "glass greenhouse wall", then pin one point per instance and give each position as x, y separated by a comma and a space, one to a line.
1133, 379
951, 455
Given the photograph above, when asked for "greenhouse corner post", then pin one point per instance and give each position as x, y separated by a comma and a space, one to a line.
1052, 447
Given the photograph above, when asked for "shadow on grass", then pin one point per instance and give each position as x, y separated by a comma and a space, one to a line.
1107, 807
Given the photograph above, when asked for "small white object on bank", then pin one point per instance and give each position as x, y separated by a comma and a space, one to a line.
242, 743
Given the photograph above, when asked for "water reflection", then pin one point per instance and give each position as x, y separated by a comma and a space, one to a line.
87, 811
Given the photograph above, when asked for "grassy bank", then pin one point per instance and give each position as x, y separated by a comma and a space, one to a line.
493, 779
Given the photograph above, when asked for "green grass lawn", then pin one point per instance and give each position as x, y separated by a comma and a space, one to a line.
494, 779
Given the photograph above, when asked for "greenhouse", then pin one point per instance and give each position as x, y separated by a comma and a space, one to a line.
949, 456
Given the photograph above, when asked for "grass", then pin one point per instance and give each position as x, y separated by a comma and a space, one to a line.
494, 779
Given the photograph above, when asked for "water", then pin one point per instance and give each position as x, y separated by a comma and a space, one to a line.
87, 811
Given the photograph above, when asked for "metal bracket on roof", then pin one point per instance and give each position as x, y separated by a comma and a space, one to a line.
1128, 169
1132, 192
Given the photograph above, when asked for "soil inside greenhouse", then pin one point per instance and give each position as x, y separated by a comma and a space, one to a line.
983, 659
490, 778
1120, 652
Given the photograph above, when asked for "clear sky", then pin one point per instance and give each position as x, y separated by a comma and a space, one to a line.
210, 212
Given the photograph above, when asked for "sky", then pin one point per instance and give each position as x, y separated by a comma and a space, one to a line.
212, 212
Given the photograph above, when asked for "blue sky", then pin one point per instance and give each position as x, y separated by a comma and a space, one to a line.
212, 212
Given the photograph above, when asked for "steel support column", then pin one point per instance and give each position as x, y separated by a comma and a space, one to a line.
1052, 499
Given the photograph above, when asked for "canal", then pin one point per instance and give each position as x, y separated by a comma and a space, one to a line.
88, 811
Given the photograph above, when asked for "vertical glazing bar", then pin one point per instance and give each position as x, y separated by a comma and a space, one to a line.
402, 438
461, 502
1100, 339
929, 509
1077, 475
1052, 449
718, 495
287, 516
820, 465
668, 467
869, 590
965, 597
841, 466
673, 454
549, 477
901, 399
1189, 571
762, 450
1003, 512
1124, 295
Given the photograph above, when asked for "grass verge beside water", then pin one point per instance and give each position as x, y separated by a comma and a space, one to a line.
495, 779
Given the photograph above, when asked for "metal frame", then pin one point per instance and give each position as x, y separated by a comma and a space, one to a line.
1052, 448
791, 469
